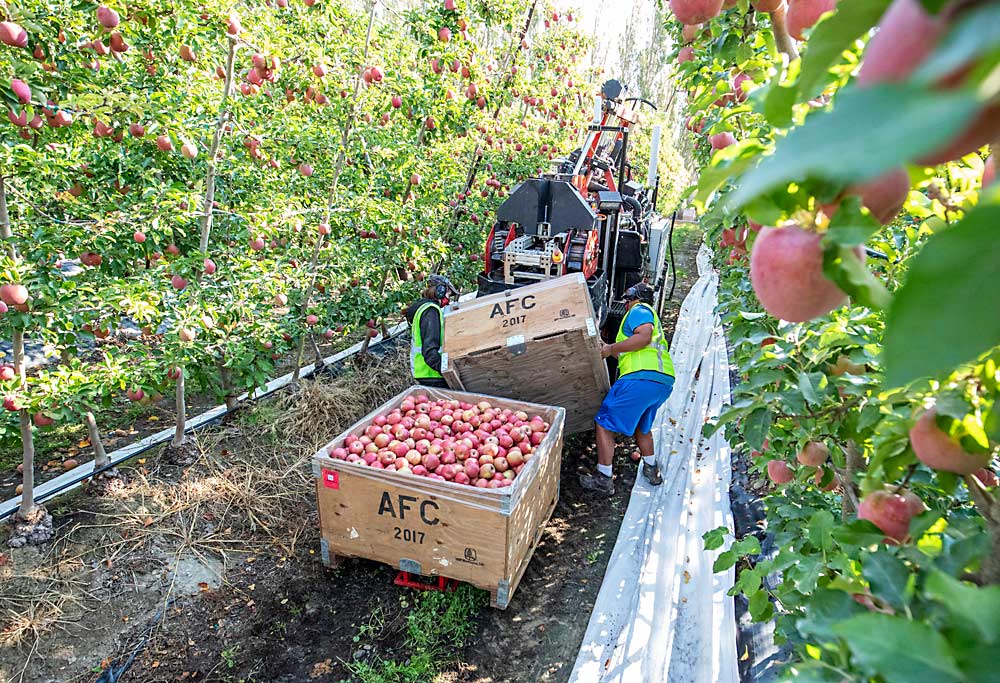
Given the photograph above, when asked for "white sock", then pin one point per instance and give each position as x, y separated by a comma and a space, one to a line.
604, 469
649, 460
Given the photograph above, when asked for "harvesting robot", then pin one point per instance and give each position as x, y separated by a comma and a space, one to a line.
591, 216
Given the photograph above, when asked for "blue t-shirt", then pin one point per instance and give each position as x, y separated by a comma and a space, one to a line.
637, 317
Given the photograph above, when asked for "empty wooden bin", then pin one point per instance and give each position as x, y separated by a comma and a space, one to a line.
537, 343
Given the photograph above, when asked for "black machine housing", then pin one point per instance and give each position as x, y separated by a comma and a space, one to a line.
547, 227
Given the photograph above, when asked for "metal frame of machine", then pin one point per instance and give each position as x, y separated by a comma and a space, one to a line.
589, 216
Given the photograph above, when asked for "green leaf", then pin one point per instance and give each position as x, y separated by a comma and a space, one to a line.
923, 522
901, 651
724, 561
756, 427
749, 581
849, 227
778, 105
843, 266
715, 538
760, 606
959, 554
748, 545
888, 577
933, 6
858, 533
950, 301
977, 606
901, 121
820, 528
724, 167
977, 33
725, 418
832, 37
827, 608
812, 386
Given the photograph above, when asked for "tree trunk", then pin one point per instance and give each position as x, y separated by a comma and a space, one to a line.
229, 395
27, 438
17, 341
100, 455
855, 464
782, 39
213, 153
178, 439
316, 350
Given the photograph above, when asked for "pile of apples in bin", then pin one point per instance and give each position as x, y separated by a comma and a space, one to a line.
476, 445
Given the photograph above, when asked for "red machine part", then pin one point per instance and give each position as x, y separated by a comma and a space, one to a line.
590, 255
487, 255
581, 251
408, 580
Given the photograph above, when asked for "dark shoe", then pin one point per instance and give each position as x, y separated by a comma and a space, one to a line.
595, 481
652, 474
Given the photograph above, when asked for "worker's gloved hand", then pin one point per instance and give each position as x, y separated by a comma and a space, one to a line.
606, 350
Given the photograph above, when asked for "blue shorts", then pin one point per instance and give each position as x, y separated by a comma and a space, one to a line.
631, 405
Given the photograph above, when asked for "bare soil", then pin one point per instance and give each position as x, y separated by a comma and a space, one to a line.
211, 572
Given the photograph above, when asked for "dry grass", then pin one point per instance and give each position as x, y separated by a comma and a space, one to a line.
249, 491
321, 409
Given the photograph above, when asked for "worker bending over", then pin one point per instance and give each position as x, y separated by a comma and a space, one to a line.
645, 381
427, 330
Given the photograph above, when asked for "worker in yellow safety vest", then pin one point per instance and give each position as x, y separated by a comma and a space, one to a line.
645, 381
427, 330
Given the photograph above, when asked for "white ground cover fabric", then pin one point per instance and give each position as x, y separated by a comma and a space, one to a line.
661, 614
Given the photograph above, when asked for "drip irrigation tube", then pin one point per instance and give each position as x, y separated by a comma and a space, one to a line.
113, 674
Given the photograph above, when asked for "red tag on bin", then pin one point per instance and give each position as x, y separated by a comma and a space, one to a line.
331, 479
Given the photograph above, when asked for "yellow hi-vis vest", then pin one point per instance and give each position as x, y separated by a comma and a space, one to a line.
656, 356
418, 366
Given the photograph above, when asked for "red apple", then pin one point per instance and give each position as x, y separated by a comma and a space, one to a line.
891, 512
20, 90
12, 34
786, 271
13, 294
939, 451
107, 17
813, 454
779, 471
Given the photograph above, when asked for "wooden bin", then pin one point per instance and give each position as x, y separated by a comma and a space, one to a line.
537, 343
484, 537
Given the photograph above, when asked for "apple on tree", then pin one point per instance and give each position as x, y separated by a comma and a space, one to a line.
891, 511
